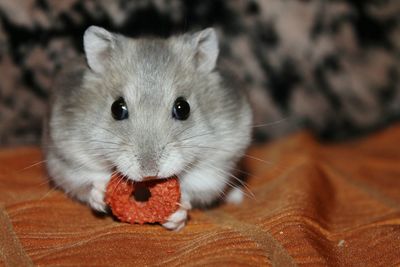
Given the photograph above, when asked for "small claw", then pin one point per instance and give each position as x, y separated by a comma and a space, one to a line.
96, 199
178, 219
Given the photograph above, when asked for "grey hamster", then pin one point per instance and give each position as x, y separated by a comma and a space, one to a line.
147, 107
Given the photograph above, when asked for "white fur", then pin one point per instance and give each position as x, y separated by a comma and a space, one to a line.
206, 44
85, 144
235, 196
97, 41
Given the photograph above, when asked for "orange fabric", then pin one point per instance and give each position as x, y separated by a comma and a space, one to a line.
313, 204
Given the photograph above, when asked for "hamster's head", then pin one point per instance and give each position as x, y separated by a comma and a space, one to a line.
156, 102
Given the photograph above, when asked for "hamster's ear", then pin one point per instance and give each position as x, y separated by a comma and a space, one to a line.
205, 43
97, 43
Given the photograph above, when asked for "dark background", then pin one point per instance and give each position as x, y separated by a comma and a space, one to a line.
330, 66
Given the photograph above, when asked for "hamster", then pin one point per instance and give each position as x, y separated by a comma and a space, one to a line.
148, 108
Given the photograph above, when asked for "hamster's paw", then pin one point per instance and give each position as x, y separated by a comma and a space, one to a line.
96, 198
235, 196
178, 219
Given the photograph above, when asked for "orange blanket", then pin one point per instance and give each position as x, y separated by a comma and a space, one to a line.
313, 204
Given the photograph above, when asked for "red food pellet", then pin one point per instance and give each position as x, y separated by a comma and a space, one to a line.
163, 201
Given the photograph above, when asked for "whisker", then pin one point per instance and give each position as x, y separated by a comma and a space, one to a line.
242, 183
195, 136
120, 179
51, 190
32, 165
270, 123
113, 134
77, 141
228, 151
250, 194
220, 192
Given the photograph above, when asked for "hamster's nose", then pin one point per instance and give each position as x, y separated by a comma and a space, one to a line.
148, 166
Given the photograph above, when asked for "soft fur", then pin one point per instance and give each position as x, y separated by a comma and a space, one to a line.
84, 143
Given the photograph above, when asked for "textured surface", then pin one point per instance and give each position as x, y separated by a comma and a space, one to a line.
332, 66
162, 201
313, 204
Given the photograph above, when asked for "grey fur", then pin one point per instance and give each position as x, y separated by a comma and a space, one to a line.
84, 143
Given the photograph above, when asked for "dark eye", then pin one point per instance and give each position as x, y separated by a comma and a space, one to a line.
119, 110
181, 109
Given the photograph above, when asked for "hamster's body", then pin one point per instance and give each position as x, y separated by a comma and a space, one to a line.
85, 143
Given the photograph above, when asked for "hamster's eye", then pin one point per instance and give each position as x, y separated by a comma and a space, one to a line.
119, 110
181, 109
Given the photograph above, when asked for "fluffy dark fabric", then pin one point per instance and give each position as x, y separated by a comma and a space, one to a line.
330, 66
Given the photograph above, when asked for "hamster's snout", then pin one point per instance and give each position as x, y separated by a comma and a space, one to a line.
149, 166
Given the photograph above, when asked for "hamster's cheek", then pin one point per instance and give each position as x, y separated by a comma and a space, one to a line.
127, 166
172, 163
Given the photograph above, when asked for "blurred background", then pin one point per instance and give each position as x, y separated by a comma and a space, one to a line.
329, 66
